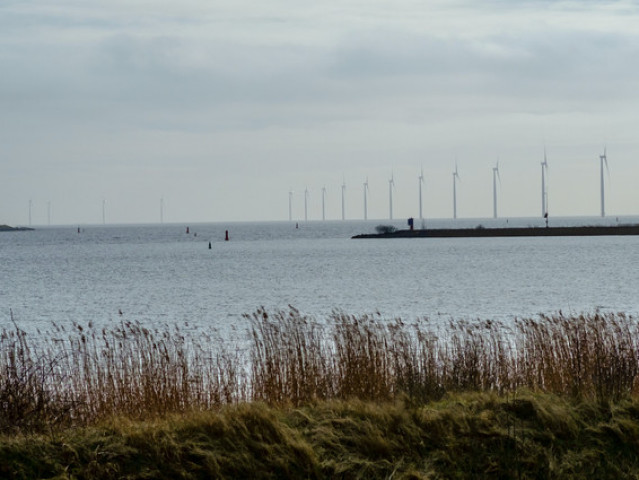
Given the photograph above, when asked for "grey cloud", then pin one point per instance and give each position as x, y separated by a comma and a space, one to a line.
557, 65
168, 81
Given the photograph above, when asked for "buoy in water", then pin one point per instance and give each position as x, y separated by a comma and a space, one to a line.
187, 230
226, 236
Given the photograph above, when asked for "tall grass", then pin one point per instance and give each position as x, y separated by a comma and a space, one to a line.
84, 374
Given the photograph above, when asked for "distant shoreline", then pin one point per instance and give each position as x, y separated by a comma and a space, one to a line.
7, 228
583, 231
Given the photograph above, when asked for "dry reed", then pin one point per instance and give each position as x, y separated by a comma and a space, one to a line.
87, 374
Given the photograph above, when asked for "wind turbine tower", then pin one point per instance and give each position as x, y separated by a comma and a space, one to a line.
103, 212
366, 199
544, 193
306, 204
391, 184
323, 203
455, 178
161, 209
30, 205
49, 213
421, 182
495, 178
290, 205
343, 207
603, 160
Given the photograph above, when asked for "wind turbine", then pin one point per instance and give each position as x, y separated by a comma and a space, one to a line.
49, 212
30, 205
161, 209
603, 160
290, 205
421, 182
544, 193
365, 199
391, 184
324, 203
495, 178
103, 211
455, 178
306, 204
343, 207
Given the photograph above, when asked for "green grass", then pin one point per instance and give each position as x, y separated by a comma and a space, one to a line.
460, 436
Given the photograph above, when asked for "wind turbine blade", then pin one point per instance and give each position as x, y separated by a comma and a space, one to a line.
545, 158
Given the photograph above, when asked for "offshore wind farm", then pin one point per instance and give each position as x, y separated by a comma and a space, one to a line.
403, 187
296, 110
421, 193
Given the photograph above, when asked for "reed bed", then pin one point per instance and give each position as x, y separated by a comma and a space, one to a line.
81, 375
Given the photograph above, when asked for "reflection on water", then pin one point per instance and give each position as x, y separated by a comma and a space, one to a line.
158, 273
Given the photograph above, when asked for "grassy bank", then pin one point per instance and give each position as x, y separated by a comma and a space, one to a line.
347, 396
460, 436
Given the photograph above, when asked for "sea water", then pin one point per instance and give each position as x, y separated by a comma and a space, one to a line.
159, 274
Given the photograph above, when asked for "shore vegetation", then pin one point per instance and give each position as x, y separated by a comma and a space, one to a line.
346, 396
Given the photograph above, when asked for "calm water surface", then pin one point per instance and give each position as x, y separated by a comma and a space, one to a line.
158, 274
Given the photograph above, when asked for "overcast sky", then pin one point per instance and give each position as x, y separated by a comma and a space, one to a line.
220, 108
